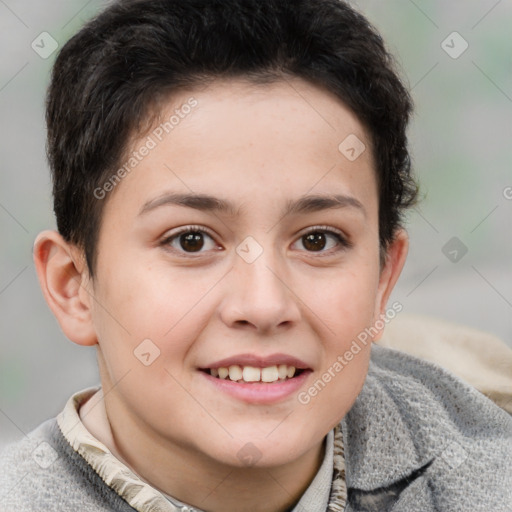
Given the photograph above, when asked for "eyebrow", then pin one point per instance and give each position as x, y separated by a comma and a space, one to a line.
207, 203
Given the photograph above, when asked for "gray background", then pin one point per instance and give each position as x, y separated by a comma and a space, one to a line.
460, 140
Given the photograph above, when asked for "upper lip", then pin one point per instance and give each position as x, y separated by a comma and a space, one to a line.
259, 361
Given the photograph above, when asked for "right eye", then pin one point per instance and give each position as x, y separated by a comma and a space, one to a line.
189, 240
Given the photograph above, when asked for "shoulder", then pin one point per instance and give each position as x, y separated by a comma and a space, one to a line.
27, 467
478, 357
424, 393
26, 460
413, 417
43, 472
409, 377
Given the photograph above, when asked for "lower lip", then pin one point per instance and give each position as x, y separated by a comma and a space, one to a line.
259, 392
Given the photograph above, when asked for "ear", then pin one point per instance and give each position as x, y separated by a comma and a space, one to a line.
64, 279
393, 265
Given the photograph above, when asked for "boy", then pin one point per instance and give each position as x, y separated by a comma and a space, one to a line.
229, 183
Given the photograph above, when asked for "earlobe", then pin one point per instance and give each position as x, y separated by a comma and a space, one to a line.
61, 276
395, 261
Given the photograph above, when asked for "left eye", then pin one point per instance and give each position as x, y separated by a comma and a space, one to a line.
321, 240
190, 240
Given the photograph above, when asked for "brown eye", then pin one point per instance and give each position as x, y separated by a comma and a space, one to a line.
324, 241
314, 241
192, 242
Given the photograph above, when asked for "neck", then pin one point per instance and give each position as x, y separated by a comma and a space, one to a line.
193, 478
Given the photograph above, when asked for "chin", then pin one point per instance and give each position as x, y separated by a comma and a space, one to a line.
259, 452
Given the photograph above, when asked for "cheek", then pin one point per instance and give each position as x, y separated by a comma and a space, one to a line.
345, 300
345, 309
151, 302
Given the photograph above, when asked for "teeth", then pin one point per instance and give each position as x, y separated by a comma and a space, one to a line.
235, 372
251, 374
269, 374
254, 374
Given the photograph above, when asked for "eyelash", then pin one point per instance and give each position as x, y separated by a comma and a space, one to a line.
343, 242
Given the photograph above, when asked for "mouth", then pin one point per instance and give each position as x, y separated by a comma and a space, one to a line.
254, 374
256, 379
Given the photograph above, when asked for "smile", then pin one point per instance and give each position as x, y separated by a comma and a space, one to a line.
257, 378
268, 374
257, 392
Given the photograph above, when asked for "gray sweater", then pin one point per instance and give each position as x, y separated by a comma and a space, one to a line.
417, 439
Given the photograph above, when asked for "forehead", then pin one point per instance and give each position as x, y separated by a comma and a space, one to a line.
250, 143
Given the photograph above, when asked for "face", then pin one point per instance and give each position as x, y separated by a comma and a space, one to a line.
244, 239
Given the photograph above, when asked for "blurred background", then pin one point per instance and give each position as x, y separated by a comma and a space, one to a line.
457, 59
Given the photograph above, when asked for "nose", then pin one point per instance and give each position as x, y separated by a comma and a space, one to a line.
258, 296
